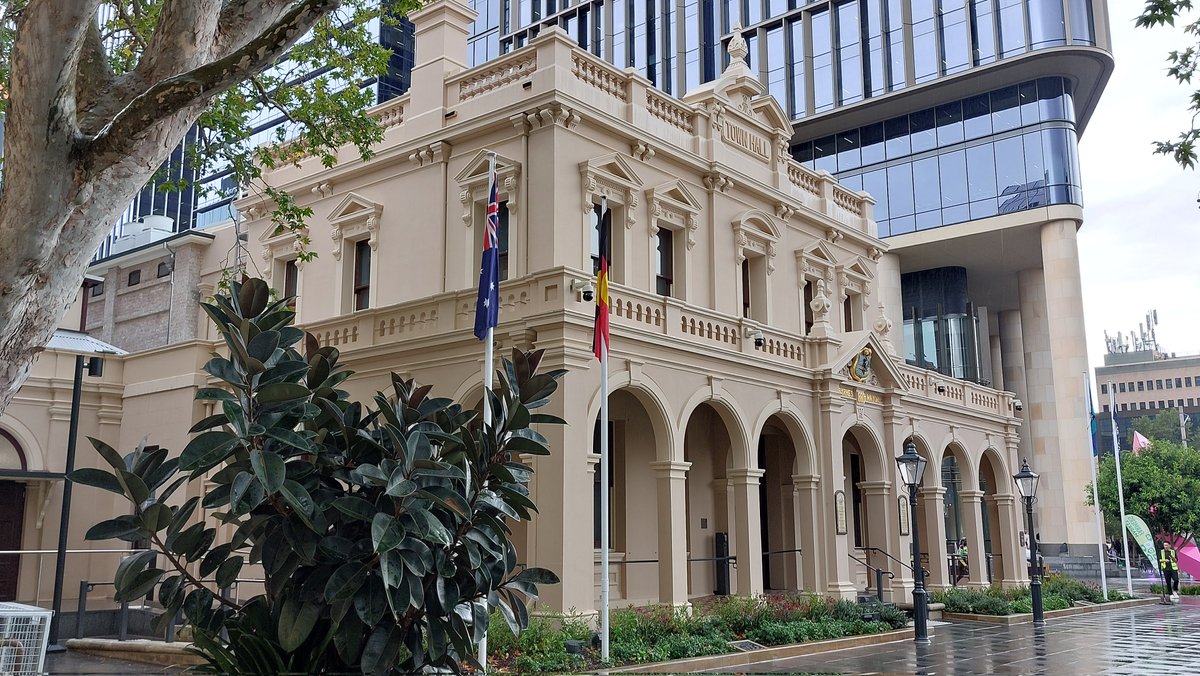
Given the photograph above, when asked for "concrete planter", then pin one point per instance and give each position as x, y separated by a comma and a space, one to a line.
1022, 618
138, 650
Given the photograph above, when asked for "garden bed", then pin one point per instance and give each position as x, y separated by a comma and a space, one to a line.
994, 604
642, 636
1022, 618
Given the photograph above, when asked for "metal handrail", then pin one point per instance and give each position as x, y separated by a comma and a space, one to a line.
86, 586
879, 572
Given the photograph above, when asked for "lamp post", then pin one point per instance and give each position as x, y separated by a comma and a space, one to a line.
1027, 482
95, 368
912, 467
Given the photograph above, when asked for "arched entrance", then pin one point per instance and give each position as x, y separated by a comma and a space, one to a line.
869, 510
956, 518
787, 507
999, 525
713, 491
12, 515
633, 501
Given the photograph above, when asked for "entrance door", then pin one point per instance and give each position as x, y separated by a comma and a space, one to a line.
12, 513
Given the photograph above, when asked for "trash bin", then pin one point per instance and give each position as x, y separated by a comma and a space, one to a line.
24, 633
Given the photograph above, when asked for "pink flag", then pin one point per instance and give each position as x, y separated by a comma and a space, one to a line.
1139, 442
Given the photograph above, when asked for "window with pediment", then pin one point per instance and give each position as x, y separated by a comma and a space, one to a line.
755, 238
474, 186
674, 221
611, 179
854, 284
354, 229
816, 265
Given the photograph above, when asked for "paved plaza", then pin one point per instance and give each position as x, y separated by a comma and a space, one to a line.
1142, 640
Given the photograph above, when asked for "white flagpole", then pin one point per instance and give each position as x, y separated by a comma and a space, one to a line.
604, 508
1090, 413
488, 370
1112, 401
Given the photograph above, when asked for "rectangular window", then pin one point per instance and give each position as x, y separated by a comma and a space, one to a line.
1158, 384
362, 275
291, 282
808, 314
1106, 408
1160, 403
850, 70
746, 288
1178, 382
1190, 400
135, 278
1124, 407
1187, 381
1121, 386
1140, 388
502, 240
1103, 388
98, 290
1142, 405
1170, 384
164, 269
822, 60
595, 235
664, 268
1149, 385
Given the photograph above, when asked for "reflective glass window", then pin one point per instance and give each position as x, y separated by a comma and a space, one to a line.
848, 156
900, 190
875, 183
777, 66
922, 130
825, 154
850, 82
691, 45
983, 32
871, 138
776, 7
1012, 27
952, 16
952, 168
1082, 23
949, 123
752, 58
1035, 169
753, 11
895, 44
822, 49
1057, 155
874, 73
925, 47
803, 152
1010, 165
1027, 95
926, 185
1047, 24
896, 140
1006, 114
977, 116
981, 172
732, 15
1050, 99
796, 64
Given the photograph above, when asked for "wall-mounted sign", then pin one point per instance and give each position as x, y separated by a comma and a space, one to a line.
904, 509
861, 396
839, 512
745, 139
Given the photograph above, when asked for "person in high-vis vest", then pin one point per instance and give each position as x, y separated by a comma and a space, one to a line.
1168, 563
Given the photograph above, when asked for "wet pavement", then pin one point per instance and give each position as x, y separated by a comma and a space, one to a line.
1142, 640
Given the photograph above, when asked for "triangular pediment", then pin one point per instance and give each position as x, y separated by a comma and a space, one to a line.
819, 253
771, 114
882, 371
676, 194
353, 207
859, 268
477, 167
614, 168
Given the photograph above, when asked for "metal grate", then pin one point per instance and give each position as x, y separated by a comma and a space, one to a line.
24, 632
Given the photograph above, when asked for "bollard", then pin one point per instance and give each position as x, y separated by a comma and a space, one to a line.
721, 546
123, 622
83, 590
879, 584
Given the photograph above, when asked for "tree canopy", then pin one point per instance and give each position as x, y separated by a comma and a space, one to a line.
1182, 66
96, 96
1162, 485
1164, 425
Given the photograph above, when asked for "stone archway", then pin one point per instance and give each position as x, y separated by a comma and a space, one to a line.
869, 508
12, 515
788, 505
1001, 519
951, 474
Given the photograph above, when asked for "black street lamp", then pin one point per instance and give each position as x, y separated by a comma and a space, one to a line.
912, 467
95, 368
1027, 482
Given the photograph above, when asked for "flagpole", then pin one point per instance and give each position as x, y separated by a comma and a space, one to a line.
1091, 416
488, 370
604, 469
1112, 401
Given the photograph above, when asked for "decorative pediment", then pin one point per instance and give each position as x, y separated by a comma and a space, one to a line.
611, 176
672, 203
771, 114
755, 232
352, 216
855, 277
817, 261
865, 359
280, 242
473, 182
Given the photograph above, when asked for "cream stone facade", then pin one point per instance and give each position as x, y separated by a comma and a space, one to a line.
764, 395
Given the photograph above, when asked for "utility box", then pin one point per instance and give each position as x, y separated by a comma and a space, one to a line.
24, 634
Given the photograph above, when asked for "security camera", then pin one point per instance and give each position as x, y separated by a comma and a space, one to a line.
1017, 405
757, 335
941, 386
585, 288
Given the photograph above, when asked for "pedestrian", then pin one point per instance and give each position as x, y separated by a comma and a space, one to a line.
961, 555
1168, 563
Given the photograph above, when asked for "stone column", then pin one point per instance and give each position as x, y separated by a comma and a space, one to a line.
1012, 359
747, 539
888, 276
933, 526
810, 531
972, 507
672, 531
1065, 514
881, 513
1013, 567
836, 548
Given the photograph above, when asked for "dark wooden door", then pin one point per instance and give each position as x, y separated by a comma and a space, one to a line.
12, 514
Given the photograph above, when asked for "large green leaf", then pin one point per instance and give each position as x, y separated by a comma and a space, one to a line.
98, 478
296, 621
380, 652
107, 452
345, 581
124, 527
269, 468
282, 392
297, 497
206, 450
386, 532
355, 507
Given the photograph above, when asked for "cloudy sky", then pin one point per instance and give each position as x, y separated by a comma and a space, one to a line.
1140, 244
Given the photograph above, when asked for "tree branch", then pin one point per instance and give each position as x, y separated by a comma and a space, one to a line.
173, 94
95, 77
183, 39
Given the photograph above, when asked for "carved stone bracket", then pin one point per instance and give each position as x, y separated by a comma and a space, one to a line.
833, 235
716, 181
784, 211
551, 115
641, 151
434, 152
323, 190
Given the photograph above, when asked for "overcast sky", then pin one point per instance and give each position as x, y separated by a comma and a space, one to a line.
1139, 245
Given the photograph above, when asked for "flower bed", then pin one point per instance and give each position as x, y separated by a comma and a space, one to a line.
1058, 592
1184, 590
661, 633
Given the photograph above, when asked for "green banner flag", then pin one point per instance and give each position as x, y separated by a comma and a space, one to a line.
1141, 534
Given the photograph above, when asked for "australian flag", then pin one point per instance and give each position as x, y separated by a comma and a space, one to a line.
487, 307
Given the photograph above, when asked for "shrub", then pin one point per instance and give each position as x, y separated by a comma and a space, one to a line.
1184, 590
893, 616
1071, 589
846, 610
1055, 602
1024, 605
